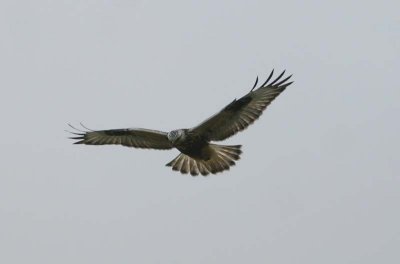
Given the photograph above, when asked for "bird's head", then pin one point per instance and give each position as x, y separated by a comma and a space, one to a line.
176, 135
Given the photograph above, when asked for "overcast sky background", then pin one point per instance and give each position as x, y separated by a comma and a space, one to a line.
319, 178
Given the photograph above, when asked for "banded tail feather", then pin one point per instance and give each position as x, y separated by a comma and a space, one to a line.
222, 158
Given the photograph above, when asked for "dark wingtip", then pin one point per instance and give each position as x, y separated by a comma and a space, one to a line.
289, 83
75, 137
78, 134
269, 78
276, 82
255, 84
283, 81
278, 78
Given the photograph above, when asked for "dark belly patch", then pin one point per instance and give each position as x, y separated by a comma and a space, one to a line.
197, 150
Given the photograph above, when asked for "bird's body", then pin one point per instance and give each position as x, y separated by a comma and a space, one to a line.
198, 154
190, 144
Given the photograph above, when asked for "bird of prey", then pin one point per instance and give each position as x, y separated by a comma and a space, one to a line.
198, 155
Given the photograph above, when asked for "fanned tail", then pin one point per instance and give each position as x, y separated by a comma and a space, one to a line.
222, 158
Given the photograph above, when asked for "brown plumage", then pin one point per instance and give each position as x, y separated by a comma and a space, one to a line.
198, 155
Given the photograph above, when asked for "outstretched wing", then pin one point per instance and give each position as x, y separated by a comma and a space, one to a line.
241, 113
129, 137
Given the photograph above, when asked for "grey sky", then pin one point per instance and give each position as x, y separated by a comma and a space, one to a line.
319, 178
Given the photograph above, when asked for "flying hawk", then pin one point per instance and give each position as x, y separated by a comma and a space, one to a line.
197, 155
